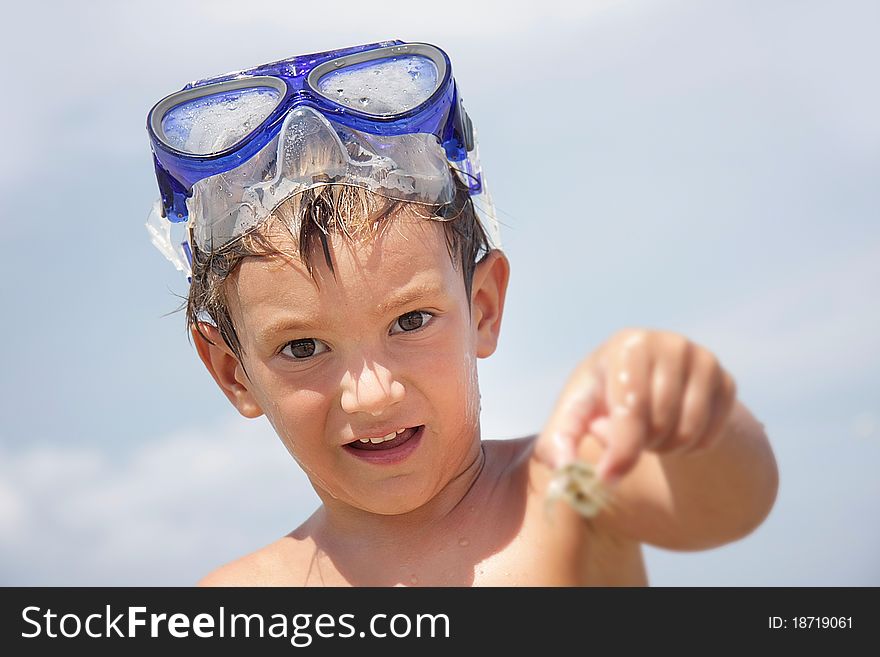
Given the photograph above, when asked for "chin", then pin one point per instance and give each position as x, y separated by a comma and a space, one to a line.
386, 510
396, 498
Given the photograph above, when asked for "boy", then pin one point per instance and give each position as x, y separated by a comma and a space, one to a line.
346, 276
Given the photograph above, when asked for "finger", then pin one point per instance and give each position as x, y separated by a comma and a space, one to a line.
722, 408
703, 379
600, 429
667, 390
628, 402
570, 421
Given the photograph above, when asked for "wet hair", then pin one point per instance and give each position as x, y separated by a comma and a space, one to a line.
315, 214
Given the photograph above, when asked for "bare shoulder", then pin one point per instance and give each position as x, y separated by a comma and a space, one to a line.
509, 452
507, 460
507, 467
276, 564
250, 570
241, 572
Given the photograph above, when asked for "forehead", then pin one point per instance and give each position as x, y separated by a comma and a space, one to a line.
409, 255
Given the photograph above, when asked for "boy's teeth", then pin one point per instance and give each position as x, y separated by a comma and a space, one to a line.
383, 439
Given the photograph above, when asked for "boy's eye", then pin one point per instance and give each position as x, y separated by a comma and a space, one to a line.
414, 320
300, 349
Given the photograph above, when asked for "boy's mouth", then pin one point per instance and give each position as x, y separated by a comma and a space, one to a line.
385, 443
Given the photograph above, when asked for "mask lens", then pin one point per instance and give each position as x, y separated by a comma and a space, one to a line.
213, 123
384, 86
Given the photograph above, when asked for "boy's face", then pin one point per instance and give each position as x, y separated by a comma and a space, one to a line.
387, 343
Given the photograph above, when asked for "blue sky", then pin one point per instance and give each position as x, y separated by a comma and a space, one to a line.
706, 168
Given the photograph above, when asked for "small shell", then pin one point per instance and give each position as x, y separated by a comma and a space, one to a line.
578, 484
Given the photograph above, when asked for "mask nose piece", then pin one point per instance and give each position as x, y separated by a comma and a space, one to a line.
303, 122
310, 147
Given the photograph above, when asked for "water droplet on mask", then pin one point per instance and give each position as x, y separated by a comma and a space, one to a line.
364, 100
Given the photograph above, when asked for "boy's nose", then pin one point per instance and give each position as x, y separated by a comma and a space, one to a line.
370, 389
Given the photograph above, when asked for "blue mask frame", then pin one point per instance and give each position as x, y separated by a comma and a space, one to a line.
442, 115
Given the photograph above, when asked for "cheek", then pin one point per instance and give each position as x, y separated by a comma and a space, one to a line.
449, 373
298, 417
296, 413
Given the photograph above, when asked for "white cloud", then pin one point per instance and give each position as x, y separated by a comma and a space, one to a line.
865, 425
815, 331
167, 512
109, 60
11, 510
489, 19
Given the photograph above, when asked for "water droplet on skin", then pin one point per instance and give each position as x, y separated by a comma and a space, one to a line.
463, 542
413, 579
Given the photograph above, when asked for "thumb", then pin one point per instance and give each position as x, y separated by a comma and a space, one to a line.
570, 421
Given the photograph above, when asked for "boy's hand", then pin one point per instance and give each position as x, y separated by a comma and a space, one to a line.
641, 389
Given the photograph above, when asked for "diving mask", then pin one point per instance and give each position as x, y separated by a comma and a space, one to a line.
229, 150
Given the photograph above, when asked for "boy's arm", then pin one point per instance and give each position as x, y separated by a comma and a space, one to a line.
658, 414
699, 499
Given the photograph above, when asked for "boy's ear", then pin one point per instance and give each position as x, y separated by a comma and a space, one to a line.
488, 291
226, 370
